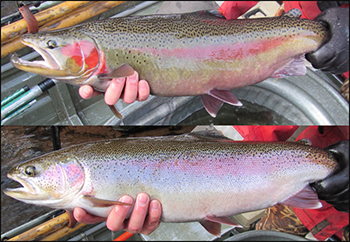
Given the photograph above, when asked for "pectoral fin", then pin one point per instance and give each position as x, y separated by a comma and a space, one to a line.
115, 111
122, 71
212, 227
96, 202
71, 220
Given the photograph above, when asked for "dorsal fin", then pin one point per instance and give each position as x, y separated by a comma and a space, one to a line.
210, 133
304, 141
293, 13
216, 13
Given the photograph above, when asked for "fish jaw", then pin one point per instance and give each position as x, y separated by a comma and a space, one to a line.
63, 59
25, 193
47, 68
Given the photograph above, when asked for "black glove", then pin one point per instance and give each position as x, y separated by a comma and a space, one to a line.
335, 188
333, 55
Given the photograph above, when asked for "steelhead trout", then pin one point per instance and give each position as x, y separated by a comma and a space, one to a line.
188, 54
197, 177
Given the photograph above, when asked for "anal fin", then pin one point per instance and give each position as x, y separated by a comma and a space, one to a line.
306, 198
225, 96
211, 104
295, 67
215, 98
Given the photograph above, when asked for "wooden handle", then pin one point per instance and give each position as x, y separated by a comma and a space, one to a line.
89, 11
20, 27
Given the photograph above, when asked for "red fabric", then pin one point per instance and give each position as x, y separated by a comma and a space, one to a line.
234, 9
331, 134
309, 9
265, 133
311, 217
346, 74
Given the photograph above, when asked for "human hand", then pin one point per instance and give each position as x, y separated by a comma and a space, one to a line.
335, 188
333, 56
139, 221
134, 90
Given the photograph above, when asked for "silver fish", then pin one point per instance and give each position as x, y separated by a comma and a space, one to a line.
197, 177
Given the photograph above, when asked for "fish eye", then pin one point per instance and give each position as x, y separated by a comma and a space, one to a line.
51, 44
30, 170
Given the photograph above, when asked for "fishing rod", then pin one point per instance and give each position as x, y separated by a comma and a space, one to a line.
22, 99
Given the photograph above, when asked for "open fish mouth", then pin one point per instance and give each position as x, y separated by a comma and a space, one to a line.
50, 66
48, 62
26, 192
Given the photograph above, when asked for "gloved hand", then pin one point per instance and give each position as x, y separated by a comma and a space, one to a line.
335, 188
333, 56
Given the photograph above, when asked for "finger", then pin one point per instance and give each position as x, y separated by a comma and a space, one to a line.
114, 90
131, 86
81, 216
153, 219
88, 92
115, 219
139, 213
144, 90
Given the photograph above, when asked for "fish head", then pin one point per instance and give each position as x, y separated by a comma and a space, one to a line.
46, 181
66, 57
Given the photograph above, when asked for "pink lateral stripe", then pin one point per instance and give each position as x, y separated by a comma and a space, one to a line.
221, 51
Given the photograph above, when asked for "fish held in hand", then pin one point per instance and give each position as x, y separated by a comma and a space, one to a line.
197, 177
178, 54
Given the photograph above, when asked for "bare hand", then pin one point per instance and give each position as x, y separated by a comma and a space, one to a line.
134, 90
139, 221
